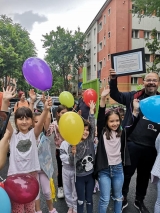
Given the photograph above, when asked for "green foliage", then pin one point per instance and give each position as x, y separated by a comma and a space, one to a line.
146, 8
15, 47
154, 48
139, 87
65, 51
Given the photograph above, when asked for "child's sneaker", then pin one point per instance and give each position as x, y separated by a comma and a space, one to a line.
53, 211
60, 193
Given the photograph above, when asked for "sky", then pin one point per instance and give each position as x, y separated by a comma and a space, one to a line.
42, 16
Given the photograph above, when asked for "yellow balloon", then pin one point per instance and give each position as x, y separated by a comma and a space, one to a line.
71, 127
66, 98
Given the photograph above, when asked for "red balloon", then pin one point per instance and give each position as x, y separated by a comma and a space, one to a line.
22, 188
2, 185
89, 95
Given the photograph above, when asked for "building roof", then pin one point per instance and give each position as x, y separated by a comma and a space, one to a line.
98, 16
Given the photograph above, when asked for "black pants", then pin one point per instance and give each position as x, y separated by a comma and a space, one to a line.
59, 167
84, 187
142, 159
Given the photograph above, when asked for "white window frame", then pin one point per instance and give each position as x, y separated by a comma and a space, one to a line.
100, 24
134, 33
134, 80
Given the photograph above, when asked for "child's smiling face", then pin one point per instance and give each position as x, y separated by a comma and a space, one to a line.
85, 133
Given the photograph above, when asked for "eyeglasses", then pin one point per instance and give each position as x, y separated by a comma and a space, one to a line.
151, 80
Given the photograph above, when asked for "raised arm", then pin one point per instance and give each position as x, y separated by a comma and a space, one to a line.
121, 97
33, 97
38, 128
7, 95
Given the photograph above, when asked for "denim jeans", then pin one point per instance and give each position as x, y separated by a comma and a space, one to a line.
157, 204
107, 178
84, 188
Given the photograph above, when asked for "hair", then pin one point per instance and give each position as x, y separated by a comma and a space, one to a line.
59, 109
22, 112
86, 123
144, 77
20, 94
107, 129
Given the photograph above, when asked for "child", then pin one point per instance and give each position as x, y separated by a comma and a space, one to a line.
46, 164
83, 155
58, 140
155, 175
68, 176
23, 148
111, 152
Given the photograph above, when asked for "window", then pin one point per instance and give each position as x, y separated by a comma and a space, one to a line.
147, 57
146, 34
109, 34
109, 57
104, 17
94, 67
135, 34
104, 62
157, 57
109, 11
100, 65
94, 31
104, 41
134, 80
100, 26
100, 46
158, 36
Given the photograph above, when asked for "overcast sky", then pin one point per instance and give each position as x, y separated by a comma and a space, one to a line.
41, 16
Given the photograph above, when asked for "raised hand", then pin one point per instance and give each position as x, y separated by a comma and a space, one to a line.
136, 104
105, 92
9, 93
32, 95
48, 104
92, 106
112, 73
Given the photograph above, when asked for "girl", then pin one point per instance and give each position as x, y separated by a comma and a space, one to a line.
111, 152
45, 159
83, 155
23, 148
155, 175
68, 176
58, 140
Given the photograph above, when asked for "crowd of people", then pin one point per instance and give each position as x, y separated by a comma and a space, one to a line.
105, 159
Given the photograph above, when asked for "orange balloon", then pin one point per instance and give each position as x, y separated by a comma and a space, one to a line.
71, 127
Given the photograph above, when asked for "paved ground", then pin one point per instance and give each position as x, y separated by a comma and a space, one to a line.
61, 207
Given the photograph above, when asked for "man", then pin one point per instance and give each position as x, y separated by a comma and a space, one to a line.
82, 108
141, 143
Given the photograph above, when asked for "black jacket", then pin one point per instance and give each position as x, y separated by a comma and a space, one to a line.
125, 98
101, 160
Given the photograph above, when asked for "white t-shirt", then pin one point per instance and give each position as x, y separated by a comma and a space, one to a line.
23, 153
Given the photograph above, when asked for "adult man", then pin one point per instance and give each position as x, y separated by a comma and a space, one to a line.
141, 143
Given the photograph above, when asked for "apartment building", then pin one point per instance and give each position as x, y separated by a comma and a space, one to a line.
115, 29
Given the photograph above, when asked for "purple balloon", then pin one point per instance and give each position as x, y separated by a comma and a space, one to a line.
37, 73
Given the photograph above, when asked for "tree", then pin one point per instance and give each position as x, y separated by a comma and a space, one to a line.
154, 48
65, 50
15, 47
146, 8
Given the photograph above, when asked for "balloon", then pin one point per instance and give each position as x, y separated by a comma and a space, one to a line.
22, 188
37, 73
150, 108
71, 127
2, 184
5, 204
89, 95
66, 99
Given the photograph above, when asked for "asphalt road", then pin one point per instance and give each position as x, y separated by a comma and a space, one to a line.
60, 204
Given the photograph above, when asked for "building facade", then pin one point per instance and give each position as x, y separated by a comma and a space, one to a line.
115, 29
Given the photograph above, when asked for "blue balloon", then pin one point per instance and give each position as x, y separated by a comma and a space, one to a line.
5, 204
150, 108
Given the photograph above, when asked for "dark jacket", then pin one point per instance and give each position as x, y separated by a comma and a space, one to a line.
125, 98
101, 161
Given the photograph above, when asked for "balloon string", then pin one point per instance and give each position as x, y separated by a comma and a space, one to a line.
78, 114
75, 165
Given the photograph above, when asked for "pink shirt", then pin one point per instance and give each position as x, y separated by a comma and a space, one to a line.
113, 148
